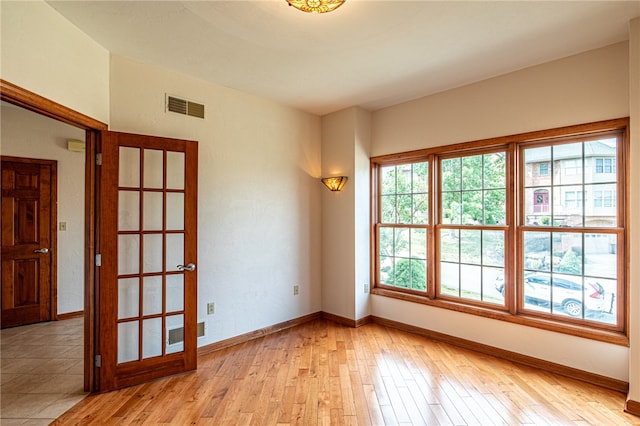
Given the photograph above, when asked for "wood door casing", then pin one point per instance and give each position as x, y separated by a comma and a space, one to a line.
29, 191
114, 372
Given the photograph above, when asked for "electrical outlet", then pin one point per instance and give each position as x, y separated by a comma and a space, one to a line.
296, 290
62, 226
211, 308
366, 288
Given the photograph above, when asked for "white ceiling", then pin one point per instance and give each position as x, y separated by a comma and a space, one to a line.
366, 53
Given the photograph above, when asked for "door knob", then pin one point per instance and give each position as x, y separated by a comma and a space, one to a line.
190, 267
43, 250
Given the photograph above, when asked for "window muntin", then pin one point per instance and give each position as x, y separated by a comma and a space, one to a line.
564, 203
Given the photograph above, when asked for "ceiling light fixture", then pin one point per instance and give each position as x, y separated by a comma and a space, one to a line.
316, 6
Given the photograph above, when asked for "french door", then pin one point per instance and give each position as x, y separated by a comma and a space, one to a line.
146, 267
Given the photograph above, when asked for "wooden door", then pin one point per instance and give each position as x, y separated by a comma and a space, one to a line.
147, 240
28, 240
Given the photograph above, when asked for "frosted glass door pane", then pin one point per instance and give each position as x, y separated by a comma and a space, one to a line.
175, 322
175, 293
152, 337
152, 220
175, 170
127, 341
152, 253
129, 167
175, 251
152, 295
128, 254
128, 210
128, 297
175, 211
153, 168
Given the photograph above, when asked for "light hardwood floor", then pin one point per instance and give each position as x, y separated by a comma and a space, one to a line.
322, 373
41, 371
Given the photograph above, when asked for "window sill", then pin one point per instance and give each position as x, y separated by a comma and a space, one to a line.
521, 319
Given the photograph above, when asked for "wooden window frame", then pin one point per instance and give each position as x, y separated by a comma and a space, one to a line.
514, 227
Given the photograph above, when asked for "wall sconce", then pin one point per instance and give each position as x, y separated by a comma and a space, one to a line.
335, 183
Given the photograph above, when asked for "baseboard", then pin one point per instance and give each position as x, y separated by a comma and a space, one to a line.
551, 367
346, 321
257, 334
632, 407
69, 315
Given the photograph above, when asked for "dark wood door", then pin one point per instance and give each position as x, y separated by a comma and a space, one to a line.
147, 282
28, 240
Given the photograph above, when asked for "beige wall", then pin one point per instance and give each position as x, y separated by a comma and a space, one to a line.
583, 88
30, 135
259, 225
44, 53
588, 87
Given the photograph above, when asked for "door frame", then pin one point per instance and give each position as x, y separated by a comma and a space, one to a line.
53, 227
26, 99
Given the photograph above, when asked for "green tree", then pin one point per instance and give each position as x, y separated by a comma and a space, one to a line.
570, 263
410, 273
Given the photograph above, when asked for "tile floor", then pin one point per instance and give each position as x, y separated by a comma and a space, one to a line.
41, 371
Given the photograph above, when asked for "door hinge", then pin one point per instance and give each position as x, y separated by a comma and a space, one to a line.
99, 159
98, 361
98, 259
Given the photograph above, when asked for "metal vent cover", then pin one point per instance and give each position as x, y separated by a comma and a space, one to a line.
176, 335
184, 107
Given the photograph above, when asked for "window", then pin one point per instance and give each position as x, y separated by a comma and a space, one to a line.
529, 231
471, 235
605, 198
571, 167
572, 199
543, 169
605, 165
404, 197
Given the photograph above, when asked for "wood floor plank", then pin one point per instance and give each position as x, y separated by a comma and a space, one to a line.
322, 373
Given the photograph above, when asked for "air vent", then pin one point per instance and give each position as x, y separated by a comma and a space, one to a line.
184, 107
176, 335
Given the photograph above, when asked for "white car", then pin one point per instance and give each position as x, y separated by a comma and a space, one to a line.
569, 294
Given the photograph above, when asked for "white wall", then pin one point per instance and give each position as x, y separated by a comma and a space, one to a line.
362, 215
259, 225
44, 53
346, 138
30, 135
588, 87
338, 213
634, 195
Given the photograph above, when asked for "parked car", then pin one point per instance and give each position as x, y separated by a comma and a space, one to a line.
569, 294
